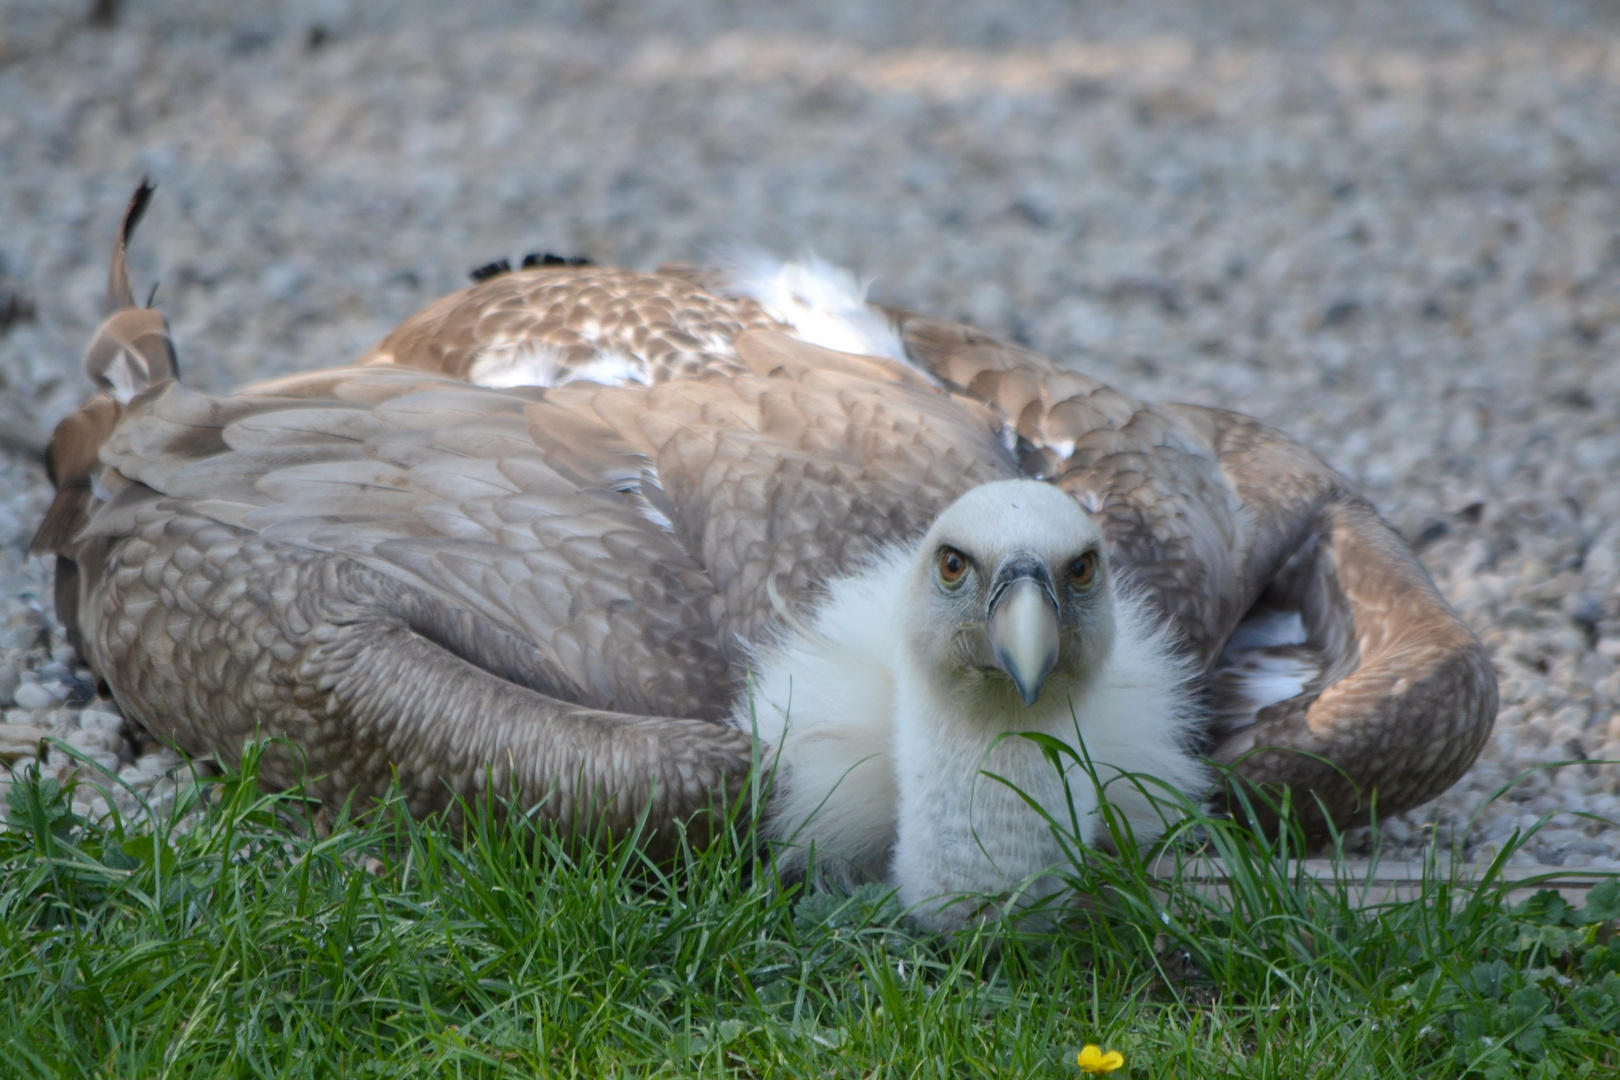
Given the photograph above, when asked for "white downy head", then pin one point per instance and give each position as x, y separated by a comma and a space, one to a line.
1010, 604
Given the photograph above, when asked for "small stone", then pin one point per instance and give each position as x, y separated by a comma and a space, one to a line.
1560, 840
158, 761
18, 741
1585, 609
95, 740
95, 718
1520, 617
66, 655
22, 628
1396, 831
78, 691
103, 760
34, 696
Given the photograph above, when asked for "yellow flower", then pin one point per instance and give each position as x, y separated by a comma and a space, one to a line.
1093, 1060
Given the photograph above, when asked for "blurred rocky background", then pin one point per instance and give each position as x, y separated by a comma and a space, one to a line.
1391, 229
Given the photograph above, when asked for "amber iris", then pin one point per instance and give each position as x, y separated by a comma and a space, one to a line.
952, 565
1083, 571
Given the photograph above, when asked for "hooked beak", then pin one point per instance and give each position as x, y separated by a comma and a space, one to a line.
1023, 623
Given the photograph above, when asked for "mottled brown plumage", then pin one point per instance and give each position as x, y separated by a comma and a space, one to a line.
667, 325
552, 589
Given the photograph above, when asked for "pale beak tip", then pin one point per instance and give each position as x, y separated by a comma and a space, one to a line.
1024, 632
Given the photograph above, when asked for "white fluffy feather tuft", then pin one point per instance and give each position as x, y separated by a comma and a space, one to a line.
824, 304
823, 699
1140, 720
1267, 660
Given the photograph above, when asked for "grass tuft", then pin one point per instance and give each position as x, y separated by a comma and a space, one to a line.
237, 935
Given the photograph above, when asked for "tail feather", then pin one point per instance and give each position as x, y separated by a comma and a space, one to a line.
119, 295
130, 352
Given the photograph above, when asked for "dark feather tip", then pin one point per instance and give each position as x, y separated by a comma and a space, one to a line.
536, 258
489, 270
138, 203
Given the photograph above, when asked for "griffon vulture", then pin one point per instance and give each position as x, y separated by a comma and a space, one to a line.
577, 532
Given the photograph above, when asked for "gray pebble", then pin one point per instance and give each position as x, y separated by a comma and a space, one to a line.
77, 691
35, 696
95, 740
104, 760
96, 719
22, 627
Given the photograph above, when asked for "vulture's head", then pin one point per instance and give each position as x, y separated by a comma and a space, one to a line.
1012, 604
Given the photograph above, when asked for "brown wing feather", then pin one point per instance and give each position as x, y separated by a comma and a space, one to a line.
414, 487
777, 482
591, 554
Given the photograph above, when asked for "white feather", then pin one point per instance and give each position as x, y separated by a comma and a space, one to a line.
1267, 628
1261, 665
823, 698
823, 304
611, 368
523, 363
1270, 679
126, 376
1256, 678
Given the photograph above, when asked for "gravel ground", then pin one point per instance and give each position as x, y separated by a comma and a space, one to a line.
1392, 233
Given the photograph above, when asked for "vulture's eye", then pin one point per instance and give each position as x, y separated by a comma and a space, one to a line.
1083, 572
953, 567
